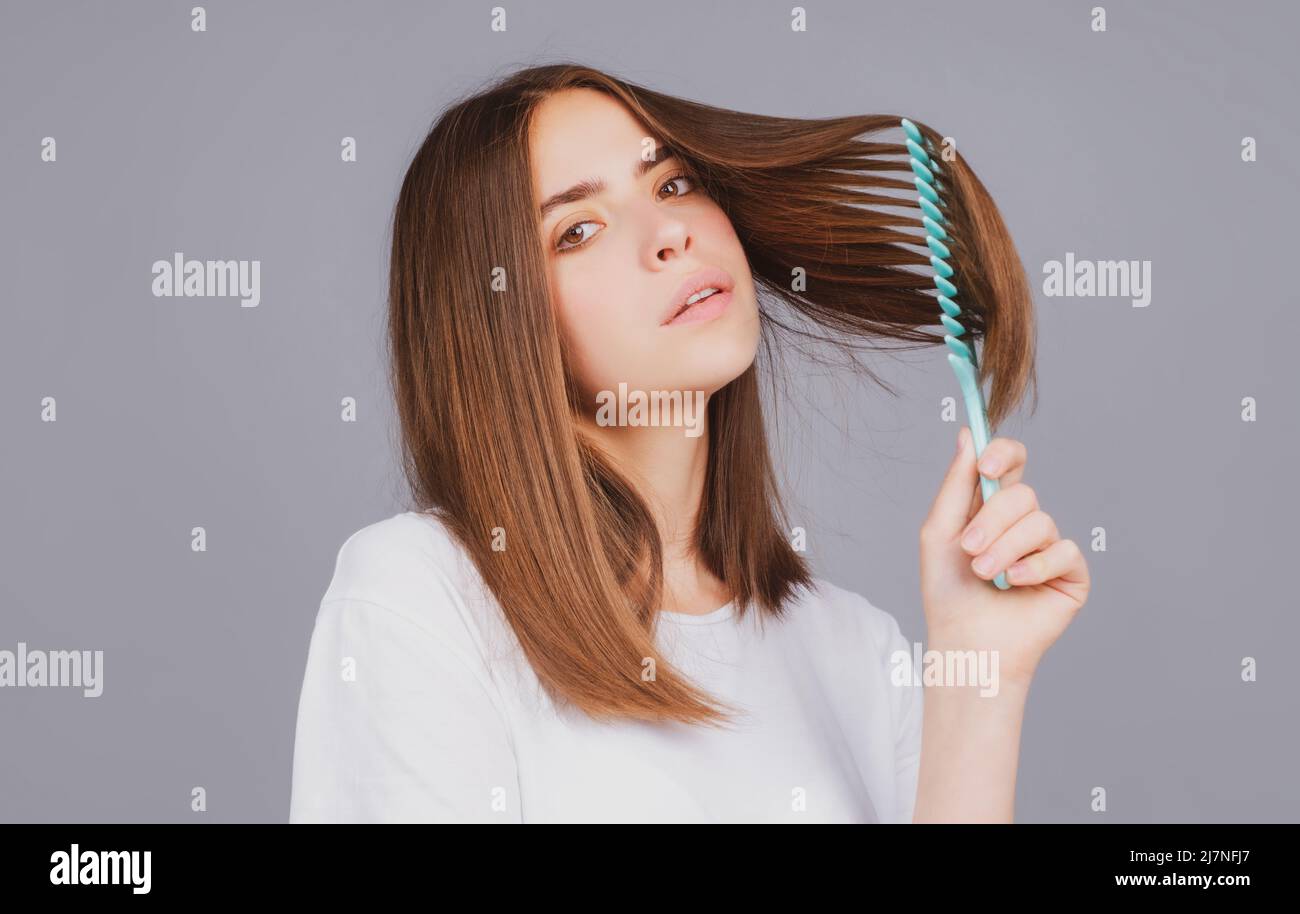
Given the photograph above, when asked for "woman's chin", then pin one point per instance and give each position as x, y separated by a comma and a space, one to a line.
721, 362
716, 375
705, 365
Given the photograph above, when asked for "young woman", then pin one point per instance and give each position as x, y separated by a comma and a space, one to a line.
591, 616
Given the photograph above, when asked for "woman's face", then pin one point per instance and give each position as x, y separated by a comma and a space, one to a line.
621, 258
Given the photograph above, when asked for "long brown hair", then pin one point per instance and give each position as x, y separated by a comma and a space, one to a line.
486, 405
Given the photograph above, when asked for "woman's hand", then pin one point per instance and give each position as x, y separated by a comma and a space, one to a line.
963, 609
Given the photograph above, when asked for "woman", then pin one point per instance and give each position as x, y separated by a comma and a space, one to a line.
595, 613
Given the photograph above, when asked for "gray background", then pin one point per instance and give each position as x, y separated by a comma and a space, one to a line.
176, 412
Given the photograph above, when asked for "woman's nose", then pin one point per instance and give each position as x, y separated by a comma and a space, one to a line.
670, 237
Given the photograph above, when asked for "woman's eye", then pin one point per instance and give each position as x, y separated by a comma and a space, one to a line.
679, 179
575, 237
568, 235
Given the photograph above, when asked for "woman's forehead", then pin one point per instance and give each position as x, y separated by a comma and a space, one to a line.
578, 134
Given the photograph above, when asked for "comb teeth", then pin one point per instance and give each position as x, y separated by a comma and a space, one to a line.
961, 356
928, 186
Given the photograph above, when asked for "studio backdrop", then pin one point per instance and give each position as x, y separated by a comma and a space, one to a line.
181, 465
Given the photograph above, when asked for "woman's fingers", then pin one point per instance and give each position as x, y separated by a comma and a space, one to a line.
1007, 457
1062, 560
947, 512
1035, 531
1013, 476
1007, 506
1002, 455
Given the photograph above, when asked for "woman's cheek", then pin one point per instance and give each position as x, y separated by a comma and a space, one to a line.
592, 331
715, 228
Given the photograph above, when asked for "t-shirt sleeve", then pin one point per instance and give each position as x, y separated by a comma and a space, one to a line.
397, 724
906, 703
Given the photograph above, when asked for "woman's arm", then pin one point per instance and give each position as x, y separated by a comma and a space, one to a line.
970, 745
970, 740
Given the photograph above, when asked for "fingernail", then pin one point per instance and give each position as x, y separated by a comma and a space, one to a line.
972, 540
983, 564
1017, 570
990, 466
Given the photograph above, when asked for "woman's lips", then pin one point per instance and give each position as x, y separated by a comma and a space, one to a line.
704, 278
706, 309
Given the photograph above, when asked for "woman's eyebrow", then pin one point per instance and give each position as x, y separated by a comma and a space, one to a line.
592, 186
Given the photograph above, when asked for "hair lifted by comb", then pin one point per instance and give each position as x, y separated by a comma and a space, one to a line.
835, 197
486, 405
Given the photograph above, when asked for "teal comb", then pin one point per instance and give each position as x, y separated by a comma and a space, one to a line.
960, 356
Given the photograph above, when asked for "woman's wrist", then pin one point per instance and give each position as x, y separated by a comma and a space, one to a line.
955, 651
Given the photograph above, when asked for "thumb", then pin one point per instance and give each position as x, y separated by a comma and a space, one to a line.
951, 506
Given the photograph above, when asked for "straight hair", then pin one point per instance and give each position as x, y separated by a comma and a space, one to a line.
487, 405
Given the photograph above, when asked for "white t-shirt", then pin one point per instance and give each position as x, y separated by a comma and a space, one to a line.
418, 705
